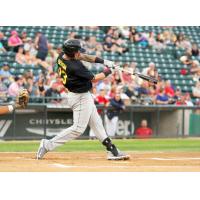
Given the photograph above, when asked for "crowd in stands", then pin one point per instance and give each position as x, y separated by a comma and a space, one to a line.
38, 51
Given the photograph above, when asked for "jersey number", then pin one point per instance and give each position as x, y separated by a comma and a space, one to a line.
63, 75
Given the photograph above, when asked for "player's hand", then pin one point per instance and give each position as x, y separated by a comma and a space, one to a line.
107, 71
22, 99
109, 64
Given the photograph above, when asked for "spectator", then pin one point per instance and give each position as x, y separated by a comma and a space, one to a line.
52, 93
195, 70
14, 41
108, 44
162, 98
112, 115
6, 76
132, 33
195, 50
181, 101
196, 90
143, 131
41, 45
91, 44
3, 42
20, 57
186, 59
14, 87
101, 99
3, 91
2, 49
151, 70
169, 90
188, 100
125, 75
29, 46
24, 37
178, 94
31, 87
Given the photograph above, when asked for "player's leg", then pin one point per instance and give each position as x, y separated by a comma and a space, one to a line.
96, 125
82, 110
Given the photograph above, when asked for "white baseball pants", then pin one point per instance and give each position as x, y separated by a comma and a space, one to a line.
84, 113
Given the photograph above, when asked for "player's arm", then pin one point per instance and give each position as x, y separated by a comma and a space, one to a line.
95, 59
6, 109
98, 77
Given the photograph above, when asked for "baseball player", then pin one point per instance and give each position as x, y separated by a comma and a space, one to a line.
21, 102
78, 80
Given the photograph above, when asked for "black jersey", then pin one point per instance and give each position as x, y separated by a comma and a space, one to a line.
75, 76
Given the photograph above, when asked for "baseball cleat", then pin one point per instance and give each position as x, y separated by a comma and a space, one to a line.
120, 156
41, 150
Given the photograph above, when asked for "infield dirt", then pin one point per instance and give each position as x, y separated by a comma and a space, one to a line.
96, 162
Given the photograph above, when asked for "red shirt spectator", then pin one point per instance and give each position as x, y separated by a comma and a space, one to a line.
143, 131
169, 91
101, 100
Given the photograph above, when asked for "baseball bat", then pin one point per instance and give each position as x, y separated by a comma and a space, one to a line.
142, 76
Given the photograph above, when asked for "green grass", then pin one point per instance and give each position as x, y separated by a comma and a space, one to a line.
94, 145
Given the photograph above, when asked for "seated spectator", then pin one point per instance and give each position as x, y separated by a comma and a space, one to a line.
162, 98
195, 50
15, 87
151, 70
169, 90
160, 45
141, 40
143, 131
181, 101
143, 89
2, 49
3, 91
108, 44
14, 41
20, 57
188, 100
195, 70
123, 95
101, 99
125, 75
91, 44
132, 33
117, 77
52, 92
180, 39
151, 39
24, 37
186, 58
31, 87
3, 42
196, 90
29, 46
6, 76
178, 94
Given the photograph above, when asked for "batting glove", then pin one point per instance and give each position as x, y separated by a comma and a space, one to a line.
109, 63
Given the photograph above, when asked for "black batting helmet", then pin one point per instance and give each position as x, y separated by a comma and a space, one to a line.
71, 46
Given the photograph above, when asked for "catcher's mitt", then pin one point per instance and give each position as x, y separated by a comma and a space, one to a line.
22, 99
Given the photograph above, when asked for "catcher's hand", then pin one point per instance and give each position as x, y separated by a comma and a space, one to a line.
22, 99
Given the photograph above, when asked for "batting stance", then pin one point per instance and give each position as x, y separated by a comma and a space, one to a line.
78, 80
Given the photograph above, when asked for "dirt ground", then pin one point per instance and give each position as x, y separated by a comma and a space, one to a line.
96, 162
